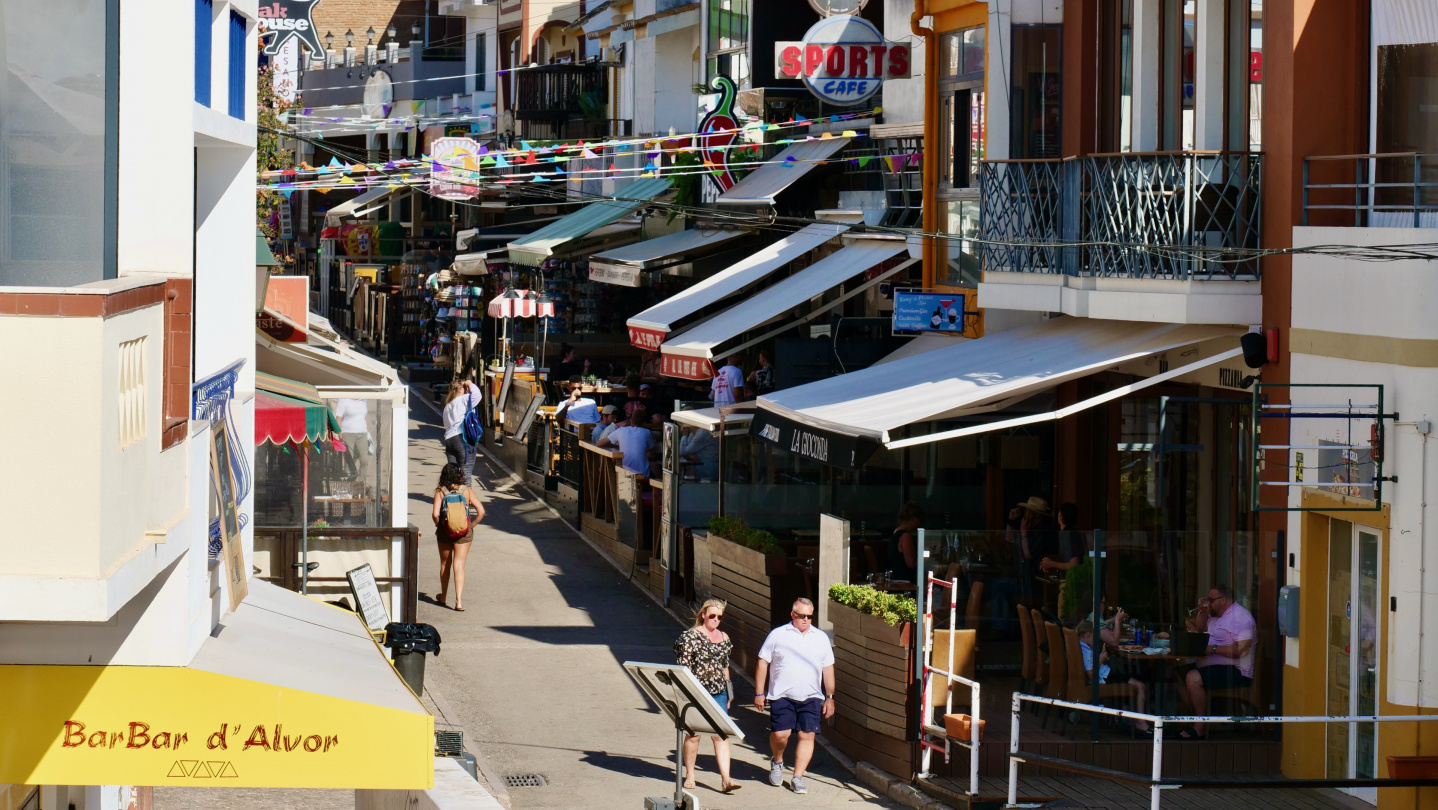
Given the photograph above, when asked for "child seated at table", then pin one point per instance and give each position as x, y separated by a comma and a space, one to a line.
1085, 635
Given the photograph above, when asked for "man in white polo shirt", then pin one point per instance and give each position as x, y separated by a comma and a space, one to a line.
795, 674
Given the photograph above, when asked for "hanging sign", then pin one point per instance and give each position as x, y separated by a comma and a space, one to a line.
284, 20
686, 368
643, 338
832, 447
623, 275
445, 183
843, 60
928, 312
717, 130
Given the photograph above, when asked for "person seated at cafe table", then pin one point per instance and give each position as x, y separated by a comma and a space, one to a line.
579, 409
635, 441
608, 422
1229, 663
1085, 636
903, 550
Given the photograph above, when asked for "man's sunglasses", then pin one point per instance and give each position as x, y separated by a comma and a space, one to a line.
805, 616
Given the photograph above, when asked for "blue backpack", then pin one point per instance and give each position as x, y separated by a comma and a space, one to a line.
473, 425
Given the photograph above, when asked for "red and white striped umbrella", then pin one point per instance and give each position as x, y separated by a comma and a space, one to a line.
521, 307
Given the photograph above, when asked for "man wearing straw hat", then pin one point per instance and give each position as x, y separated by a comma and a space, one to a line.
1027, 531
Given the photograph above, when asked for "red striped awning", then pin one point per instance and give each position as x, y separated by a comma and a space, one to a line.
521, 307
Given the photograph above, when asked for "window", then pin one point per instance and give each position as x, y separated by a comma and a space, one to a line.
132, 392
963, 53
204, 20
237, 66
1037, 92
726, 52
481, 59
59, 142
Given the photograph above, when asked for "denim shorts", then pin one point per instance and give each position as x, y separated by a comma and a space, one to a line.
786, 714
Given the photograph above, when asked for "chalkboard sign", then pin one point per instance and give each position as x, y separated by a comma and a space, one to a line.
367, 598
529, 414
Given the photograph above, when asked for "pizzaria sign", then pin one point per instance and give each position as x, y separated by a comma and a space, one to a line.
283, 20
843, 60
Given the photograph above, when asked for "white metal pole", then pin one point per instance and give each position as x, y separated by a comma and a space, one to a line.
949, 680
1155, 792
1013, 750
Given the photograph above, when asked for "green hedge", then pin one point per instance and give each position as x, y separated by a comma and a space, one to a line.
735, 530
868, 599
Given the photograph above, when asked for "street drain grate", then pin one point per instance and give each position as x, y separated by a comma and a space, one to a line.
524, 780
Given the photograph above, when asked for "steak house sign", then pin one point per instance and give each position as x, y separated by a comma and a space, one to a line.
843, 60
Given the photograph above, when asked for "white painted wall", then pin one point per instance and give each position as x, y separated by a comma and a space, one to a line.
903, 99
1392, 300
676, 73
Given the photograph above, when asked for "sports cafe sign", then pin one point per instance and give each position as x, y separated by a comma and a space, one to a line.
843, 60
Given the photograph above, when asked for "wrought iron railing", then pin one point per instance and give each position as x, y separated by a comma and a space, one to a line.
1103, 215
1392, 190
559, 92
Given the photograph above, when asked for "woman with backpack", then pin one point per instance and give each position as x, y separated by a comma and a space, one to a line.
456, 512
463, 397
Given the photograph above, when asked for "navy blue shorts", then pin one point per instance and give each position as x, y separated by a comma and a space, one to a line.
786, 714
1223, 676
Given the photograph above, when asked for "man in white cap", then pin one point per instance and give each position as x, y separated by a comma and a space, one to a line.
608, 422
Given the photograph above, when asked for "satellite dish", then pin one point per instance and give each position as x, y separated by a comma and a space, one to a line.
378, 95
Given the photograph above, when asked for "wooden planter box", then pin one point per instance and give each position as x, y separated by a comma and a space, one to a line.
874, 664
752, 584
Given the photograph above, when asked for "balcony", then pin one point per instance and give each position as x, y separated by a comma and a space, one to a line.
95, 501
1077, 236
1393, 190
410, 79
552, 95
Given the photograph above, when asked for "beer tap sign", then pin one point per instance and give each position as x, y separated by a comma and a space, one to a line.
843, 60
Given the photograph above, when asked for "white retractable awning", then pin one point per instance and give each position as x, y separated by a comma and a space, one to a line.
623, 265
762, 185
862, 408
648, 329
360, 204
923, 344
709, 419
477, 264
688, 355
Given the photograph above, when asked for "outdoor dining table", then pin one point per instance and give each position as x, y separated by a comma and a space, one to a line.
1162, 666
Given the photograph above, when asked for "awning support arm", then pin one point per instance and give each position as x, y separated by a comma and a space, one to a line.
816, 313
1067, 411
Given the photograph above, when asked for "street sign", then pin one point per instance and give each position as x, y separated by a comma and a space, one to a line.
928, 312
843, 60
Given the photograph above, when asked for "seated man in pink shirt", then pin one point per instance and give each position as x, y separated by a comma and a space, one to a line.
1229, 664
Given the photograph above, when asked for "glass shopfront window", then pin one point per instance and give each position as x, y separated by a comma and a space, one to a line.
350, 487
961, 219
59, 141
1036, 96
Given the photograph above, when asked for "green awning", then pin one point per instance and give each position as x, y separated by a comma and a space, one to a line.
553, 238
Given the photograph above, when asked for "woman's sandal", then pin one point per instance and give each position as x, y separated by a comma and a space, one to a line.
730, 788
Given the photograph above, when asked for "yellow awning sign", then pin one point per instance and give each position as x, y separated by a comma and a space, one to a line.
313, 706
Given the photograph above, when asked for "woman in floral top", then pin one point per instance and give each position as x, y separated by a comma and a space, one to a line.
705, 649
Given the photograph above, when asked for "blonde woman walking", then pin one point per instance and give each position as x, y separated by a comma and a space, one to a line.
705, 649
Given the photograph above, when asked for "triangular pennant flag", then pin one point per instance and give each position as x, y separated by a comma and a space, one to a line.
849, 133
524, 145
487, 160
613, 168
541, 179
826, 136
650, 166
501, 163
588, 154
864, 160
559, 170
335, 163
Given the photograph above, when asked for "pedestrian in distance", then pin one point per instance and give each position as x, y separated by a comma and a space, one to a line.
705, 649
463, 395
795, 677
457, 510
728, 384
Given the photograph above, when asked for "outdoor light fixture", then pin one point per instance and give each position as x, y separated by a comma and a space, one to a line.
369, 35
510, 293
349, 37
414, 30
391, 32
329, 39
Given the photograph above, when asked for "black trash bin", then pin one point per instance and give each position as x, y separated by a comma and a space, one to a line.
409, 643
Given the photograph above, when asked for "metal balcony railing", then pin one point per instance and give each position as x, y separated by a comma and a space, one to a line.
560, 92
1390, 190
1101, 215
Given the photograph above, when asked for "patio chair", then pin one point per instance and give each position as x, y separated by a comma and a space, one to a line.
965, 651
1041, 665
1030, 650
1079, 688
1058, 668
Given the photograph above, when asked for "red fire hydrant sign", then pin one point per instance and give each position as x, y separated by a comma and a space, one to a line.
843, 60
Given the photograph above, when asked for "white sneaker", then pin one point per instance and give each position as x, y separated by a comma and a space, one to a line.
776, 773
799, 786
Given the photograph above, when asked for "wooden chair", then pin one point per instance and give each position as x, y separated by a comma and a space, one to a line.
1041, 667
975, 607
965, 650
1030, 649
1058, 667
1079, 688
1247, 697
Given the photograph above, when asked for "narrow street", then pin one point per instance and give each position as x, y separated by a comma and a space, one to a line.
533, 665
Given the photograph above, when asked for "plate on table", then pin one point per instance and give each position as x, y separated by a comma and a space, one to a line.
1130, 647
